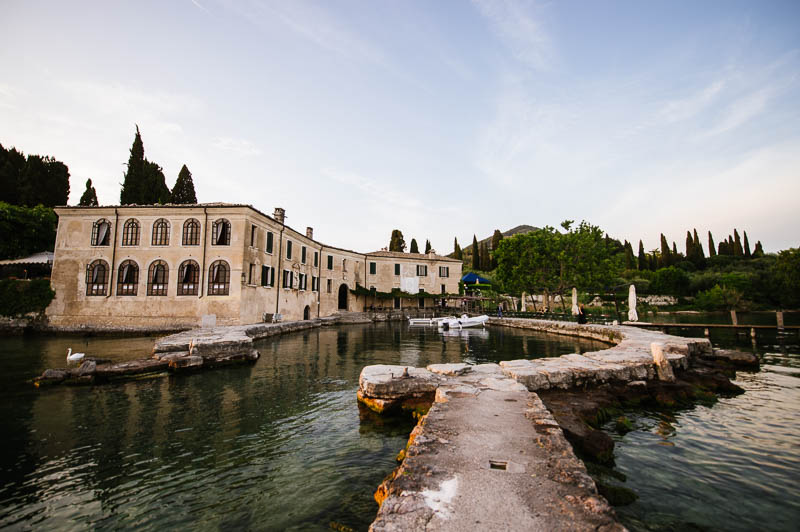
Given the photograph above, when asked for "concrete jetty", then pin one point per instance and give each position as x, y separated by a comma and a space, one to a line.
488, 454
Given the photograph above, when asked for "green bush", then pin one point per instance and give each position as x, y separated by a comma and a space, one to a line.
718, 298
672, 281
18, 298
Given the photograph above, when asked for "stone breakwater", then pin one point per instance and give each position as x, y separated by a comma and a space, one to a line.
488, 454
185, 351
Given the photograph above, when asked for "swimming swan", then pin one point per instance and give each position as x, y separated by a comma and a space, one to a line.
74, 357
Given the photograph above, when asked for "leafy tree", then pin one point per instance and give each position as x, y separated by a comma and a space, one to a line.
747, 253
26, 230
497, 236
427, 246
712, 251
183, 192
414, 247
642, 258
33, 180
397, 242
718, 298
89, 197
476, 259
786, 273
486, 261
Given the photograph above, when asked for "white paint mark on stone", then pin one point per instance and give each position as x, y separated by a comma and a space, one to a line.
438, 500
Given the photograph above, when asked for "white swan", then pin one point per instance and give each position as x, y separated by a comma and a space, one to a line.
74, 357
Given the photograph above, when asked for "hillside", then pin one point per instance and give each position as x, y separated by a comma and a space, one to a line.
466, 246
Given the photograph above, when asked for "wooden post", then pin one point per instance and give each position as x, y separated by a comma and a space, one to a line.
752, 332
733, 318
705, 332
779, 319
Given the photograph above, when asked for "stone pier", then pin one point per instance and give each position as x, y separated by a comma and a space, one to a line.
488, 454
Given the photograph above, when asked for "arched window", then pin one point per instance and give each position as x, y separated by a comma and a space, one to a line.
130, 233
96, 278
101, 232
127, 278
160, 233
188, 278
221, 233
219, 278
157, 278
191, 232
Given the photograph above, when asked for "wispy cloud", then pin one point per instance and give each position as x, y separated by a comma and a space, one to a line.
685, 108
519, 29
239, 146
197, 4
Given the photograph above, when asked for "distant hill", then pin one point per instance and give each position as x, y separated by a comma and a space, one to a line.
466, 246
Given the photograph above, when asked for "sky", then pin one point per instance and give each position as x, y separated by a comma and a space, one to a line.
439, 118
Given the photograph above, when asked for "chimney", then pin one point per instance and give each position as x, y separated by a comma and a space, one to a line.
310, 232
279, 214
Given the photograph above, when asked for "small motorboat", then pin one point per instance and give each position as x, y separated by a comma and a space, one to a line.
463, 322
427, 322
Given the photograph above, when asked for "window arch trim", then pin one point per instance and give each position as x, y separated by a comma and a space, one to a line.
191, 232
221, 233
128, 278
97, 278
219, 278
130, 232
101, 232
160, 235
188, 278
157, 278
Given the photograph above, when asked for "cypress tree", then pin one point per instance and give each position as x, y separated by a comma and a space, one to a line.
665, 255
737, 244
156, 189
183, 192
747, 253
484, 259
674, 255
427, 246
457, 250
476, 259
397, 242
414, 247
689, 246
630, 260
642, 262
698, 247
89, 197
712, 251
758, 251
133, 182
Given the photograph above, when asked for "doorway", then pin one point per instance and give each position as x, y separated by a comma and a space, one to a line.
307, 313
343, 297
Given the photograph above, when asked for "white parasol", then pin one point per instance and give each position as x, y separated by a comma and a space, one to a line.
575, 301
632, 315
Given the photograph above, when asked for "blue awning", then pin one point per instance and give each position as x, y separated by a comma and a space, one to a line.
472, 278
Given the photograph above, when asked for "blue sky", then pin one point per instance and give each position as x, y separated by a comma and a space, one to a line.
442, 119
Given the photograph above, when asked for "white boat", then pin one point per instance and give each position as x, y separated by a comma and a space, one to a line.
463, 322
428, 321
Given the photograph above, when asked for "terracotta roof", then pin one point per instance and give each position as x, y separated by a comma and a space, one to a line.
419, 256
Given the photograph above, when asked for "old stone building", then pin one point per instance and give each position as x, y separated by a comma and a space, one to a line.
187, 265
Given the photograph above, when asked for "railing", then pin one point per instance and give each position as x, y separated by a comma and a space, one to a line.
602, 319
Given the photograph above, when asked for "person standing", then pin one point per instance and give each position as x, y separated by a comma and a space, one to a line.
500, 310
581, 314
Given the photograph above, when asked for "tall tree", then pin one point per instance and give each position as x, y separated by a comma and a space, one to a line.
32, 180
758, 251
737, 244
12, 167
133, 182
497, 236
457, 250
156, 189
183, 191
664, 260
698, 246
689, 245
414, 247
427, 246
89, 197
397, 242
747, 253
712, 251
486, 262
630, 260
674, 257
642, 258
476, 259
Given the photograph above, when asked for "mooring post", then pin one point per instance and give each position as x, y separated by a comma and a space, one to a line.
752, 332
779, 319
705, 332
733, 318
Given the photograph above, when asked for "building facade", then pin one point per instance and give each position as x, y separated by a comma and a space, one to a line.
187, 265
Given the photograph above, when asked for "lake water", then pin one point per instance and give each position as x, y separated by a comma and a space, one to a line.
277, 445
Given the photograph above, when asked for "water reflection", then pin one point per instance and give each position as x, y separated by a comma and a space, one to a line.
276, 445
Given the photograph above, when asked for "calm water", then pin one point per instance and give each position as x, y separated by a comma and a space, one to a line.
278, 445
732, 466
